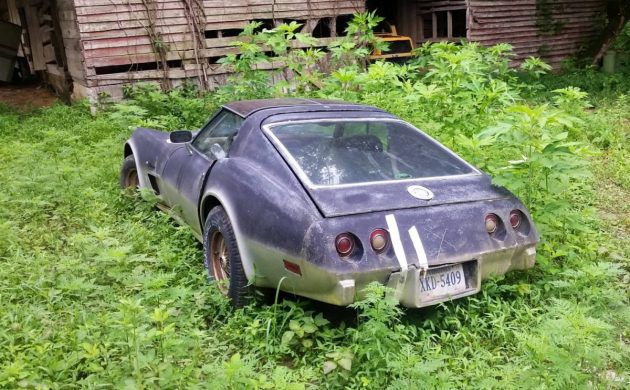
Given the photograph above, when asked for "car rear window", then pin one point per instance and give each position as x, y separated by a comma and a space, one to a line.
349, 151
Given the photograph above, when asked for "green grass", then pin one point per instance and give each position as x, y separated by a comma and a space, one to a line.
98, 289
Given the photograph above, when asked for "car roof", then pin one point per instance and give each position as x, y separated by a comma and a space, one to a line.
245, 108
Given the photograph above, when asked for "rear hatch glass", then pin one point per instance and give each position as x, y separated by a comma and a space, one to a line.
354, 166
343, 152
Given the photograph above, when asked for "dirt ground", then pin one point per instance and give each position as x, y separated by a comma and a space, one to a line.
27, 96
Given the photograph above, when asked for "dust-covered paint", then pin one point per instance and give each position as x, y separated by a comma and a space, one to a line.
276, 216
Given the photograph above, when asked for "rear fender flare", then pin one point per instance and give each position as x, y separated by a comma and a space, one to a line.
142, 174
241, 240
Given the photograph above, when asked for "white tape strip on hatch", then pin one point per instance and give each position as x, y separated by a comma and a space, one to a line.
399, 251
417, 244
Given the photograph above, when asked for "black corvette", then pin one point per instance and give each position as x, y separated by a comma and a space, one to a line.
331, 196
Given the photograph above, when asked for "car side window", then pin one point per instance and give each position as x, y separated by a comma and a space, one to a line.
220, 130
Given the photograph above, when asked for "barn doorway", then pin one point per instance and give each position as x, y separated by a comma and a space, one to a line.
32, 52
425, 20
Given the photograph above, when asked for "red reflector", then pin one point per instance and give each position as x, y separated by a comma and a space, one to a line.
379, 239
289, 266
515, 219
492, 223
344, 244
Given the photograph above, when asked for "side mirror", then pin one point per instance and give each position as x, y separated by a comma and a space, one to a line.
217, 152
180, 136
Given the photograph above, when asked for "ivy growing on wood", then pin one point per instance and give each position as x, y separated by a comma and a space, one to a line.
159, 46
545, 21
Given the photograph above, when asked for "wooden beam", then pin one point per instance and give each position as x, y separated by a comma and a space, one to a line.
449, 24
37, 47
14, 15
60, 48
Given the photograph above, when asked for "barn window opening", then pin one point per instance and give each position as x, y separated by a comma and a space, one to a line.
211, 34
231, 32
271, 54
426, 26
322, 28
459, 23
442, 25
266, 24
214, 60
153, 65
441, 19
342, 23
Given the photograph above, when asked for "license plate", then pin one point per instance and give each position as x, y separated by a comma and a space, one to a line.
441, 282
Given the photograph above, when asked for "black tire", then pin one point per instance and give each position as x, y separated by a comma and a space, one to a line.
129, 174
218, 224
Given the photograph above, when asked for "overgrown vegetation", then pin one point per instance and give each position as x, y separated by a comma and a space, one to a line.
99, 289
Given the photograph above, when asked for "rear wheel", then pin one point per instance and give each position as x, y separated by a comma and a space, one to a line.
223, 259
129, 174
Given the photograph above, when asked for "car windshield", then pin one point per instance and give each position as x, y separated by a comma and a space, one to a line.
351, 151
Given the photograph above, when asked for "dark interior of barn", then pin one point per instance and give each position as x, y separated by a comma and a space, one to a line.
31, 60
424, 21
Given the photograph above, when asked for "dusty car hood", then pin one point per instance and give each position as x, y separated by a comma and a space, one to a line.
334, 201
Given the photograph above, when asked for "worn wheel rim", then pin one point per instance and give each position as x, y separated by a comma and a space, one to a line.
220, 261
131, 180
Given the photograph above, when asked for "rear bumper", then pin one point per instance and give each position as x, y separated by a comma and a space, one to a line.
406, 285
344, 289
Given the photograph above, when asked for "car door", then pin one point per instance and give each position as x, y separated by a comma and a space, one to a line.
196, 164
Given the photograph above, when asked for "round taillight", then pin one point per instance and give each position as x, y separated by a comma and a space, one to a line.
515, 219
344, 244
492, 223
379, 239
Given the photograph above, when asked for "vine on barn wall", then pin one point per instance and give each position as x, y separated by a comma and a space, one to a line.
196, 17
545, 22
160, 47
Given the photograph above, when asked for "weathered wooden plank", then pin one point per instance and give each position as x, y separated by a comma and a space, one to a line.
136, 49
436, 4
480, 34
133, 41
424, 11
532, 10
65, 5
206, 3
574, 16
214, 7
292, 14
14, 16
36, 42
143, 54
143, 75
527, 23
133, 32
512, 3
122, 26
49, 53
280, 10
126, 7
212, 22
54, 69
133, 15
485, 36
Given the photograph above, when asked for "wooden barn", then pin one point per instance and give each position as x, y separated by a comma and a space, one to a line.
550, 29
89, 47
